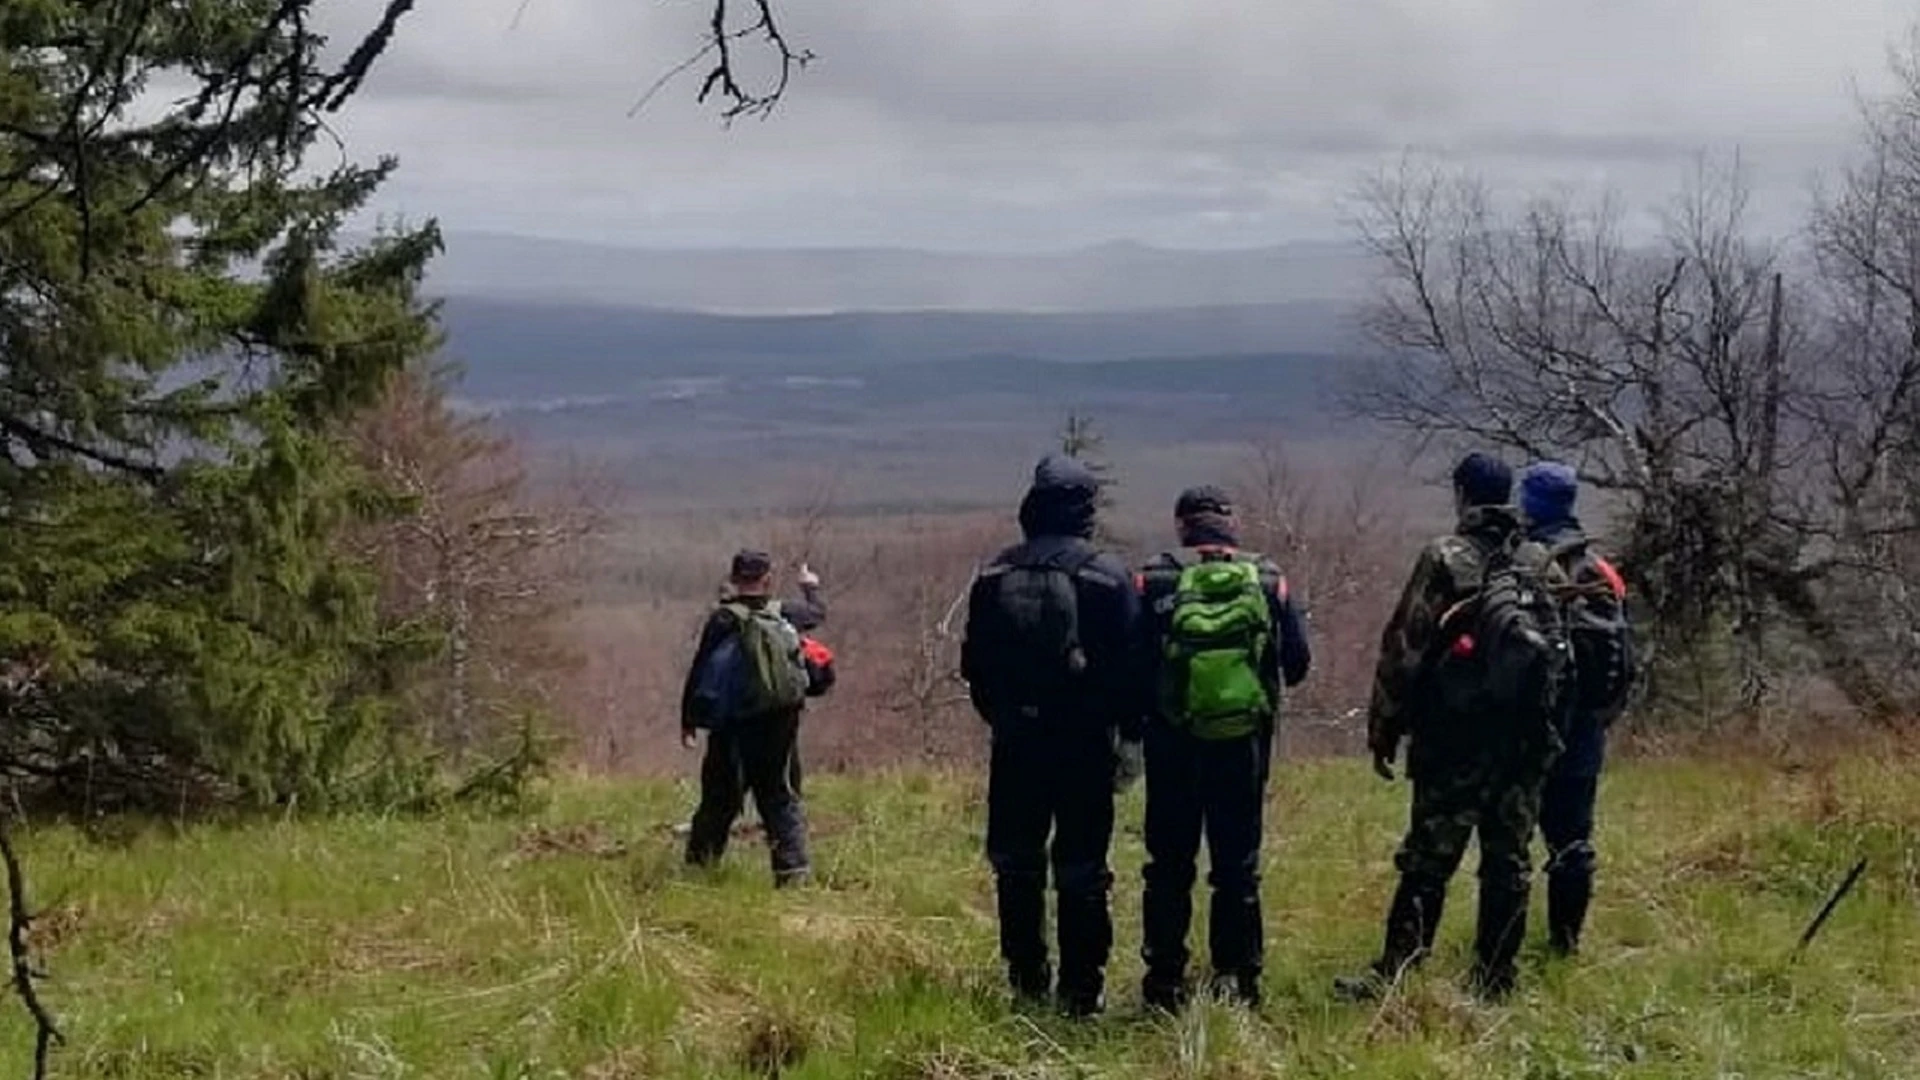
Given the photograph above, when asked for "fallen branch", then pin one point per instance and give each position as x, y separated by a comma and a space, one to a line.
1826, 911
46, 1033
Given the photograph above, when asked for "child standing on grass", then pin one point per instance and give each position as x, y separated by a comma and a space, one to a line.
746, 687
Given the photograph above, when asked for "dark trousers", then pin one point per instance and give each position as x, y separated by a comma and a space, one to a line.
1566, 823
1215, 789
1567, 803
1050, 804
752, 756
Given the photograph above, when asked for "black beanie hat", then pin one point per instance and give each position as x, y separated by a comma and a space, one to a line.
1483, 480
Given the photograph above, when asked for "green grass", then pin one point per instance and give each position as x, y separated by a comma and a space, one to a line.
573, 944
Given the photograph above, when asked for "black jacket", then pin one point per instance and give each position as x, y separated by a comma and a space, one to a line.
1057, 518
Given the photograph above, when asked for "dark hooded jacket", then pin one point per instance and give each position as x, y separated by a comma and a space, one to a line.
1057, 519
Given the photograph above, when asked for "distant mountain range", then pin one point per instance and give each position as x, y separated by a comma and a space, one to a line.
1109, 278
519, 348
679, 369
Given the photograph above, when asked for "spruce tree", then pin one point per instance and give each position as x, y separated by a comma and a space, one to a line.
181, 338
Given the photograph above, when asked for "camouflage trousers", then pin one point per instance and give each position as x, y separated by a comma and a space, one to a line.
1500, 801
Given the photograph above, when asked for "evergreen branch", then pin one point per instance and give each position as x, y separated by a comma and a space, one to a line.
36, 439
20, 922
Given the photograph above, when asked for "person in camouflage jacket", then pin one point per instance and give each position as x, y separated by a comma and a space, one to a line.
1467, 776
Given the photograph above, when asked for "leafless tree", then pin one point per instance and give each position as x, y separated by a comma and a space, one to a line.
477, 557
1339, 537
1865, 404
1679, 377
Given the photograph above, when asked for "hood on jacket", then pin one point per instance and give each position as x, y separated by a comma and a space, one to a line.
1548, 491
1062, 501
1489, 523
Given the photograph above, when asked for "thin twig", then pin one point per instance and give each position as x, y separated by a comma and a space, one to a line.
1826, 911
46, 1032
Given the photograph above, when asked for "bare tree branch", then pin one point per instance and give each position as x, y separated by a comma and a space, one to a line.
20, 922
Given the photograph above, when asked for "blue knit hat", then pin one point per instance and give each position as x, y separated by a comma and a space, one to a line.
1547, 492
1483, 480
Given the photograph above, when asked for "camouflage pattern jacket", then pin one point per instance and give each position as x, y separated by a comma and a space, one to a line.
1449, 570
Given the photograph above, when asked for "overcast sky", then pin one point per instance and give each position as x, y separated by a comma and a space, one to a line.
1045, 124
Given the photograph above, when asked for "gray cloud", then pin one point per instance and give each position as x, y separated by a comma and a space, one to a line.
1020, 124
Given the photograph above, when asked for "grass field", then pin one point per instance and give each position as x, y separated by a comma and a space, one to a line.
571, 943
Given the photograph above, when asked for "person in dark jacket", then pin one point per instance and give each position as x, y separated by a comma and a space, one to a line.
1215, 787
757, 754
1049, 627
1469, 773
1604, 674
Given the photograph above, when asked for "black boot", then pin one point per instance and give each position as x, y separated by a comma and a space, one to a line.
1567, 898
1496, 943
1031, 985
1023, 942
1240, 987
1086, 944
1082, 997
1412, 920
1164, 991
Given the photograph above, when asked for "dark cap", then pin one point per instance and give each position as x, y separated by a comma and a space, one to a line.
1205, 499
1483, 480
750, 565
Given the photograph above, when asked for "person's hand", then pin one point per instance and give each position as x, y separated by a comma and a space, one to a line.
1383, 760
689, 738
808, 578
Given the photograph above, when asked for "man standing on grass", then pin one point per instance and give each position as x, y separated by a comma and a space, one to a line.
1049, 626
1477, 760
746, 687
1604, 675
1220, 638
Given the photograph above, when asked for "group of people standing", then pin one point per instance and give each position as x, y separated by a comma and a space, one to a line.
1090, 675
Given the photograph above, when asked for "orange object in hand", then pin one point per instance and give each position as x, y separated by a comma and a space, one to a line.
816, 651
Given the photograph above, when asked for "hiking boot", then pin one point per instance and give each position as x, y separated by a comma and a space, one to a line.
1082, 1003
1413, 918
1239, 988
1164, 993
1567, 898
1357, 989
1031, 985
1496, 943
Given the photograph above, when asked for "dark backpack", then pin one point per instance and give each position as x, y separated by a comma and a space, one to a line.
1039, 661
1508, 655
1602, 639
756, 670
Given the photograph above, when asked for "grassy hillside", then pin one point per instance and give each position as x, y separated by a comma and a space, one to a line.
572, 944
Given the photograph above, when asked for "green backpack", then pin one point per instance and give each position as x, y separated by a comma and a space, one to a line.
774, 673
1218, 632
